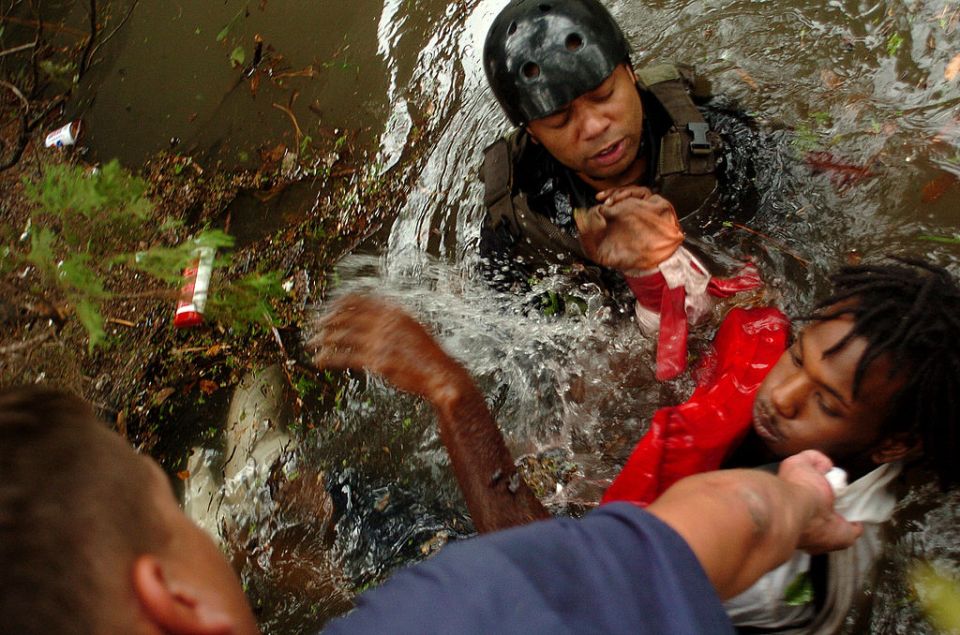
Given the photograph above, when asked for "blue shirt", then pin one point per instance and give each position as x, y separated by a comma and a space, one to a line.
617, 570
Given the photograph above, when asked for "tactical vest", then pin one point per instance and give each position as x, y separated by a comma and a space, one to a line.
684, 174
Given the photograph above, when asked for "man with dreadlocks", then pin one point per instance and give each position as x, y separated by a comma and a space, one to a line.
872, 382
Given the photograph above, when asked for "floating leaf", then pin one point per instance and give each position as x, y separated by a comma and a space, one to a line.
937, 187
894, 43
208, 387
947, 240
830, 79
939, 595
842, 173
747, 79
238, 56
953, 68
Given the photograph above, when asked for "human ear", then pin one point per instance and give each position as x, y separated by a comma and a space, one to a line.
896, 447
172, 606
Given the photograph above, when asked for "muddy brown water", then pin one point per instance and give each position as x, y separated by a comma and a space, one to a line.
867, 85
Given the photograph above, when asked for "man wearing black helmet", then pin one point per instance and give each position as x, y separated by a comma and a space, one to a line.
587, 123
595, 139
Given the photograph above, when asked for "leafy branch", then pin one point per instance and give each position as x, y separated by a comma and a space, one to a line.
79, 238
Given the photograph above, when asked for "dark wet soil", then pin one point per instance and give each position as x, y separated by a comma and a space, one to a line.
162, 387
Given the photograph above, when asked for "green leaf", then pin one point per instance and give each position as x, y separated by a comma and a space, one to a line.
894, 43
224, 32
77, 274
216, 238
238, 56
170, 223
939, 595
246, 302
822, 118
947, 240
800, 591
41, 251
89, 315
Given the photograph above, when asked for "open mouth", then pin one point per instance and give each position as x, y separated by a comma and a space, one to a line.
610, 154
764, 423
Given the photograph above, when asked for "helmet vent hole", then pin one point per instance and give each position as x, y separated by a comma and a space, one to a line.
544, 8
512, 28
574, 42
531, 70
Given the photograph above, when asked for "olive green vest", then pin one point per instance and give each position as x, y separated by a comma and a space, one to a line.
684, 172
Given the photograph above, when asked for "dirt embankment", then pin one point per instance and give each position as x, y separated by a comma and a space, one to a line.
166, 388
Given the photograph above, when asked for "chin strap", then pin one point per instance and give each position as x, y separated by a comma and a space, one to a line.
678, 291
697, 435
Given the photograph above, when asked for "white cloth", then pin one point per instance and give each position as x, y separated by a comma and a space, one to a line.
680, 269
868, 500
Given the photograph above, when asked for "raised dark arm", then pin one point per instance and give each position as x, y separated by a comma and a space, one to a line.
361, 332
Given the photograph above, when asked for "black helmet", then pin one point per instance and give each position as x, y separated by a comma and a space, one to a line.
542, 54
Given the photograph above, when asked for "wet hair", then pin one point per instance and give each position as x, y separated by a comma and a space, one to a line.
74, 513
909, 311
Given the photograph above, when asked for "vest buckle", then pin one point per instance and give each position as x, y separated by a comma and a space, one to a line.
700, 144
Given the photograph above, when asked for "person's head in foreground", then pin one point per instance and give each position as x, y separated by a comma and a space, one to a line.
92, 539
874, 376
561, 69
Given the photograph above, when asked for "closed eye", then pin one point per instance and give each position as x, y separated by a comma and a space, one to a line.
603, 96
825, 409
795, 356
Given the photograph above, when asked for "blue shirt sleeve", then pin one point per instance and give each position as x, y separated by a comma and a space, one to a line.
617, 570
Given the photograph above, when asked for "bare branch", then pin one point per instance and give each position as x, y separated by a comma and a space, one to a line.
23, 137
88, 48
29, 343
17, 49
110, 35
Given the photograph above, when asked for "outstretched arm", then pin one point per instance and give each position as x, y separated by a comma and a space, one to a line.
617, 569
361, 332
743, 523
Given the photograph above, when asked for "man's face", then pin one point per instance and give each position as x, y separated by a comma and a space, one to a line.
806, 402
598, 134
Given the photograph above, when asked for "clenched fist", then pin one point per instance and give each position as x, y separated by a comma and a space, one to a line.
631, 230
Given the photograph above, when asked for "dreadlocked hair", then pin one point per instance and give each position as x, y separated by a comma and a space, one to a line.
909, 310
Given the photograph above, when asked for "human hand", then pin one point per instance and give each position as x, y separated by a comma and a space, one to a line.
632, 230
825, 530
362, 332
617, 194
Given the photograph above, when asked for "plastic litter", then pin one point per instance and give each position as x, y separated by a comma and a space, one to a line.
193, 293
66, 135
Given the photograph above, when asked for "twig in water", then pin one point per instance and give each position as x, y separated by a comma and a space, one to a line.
773, 241
19, 346
110, 35
88, 47
121, 322
293, 118
17, 49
